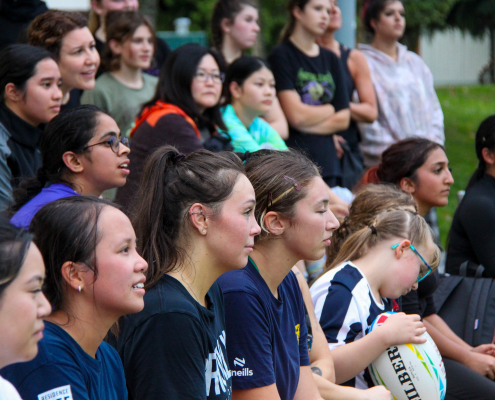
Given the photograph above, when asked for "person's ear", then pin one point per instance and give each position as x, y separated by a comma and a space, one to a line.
235, 90
373, 24
12, 94
72, 161
225, 25
275, 223
401, 248
407, 185
297, 13
488, 156
197, 216
73, 274
115, 47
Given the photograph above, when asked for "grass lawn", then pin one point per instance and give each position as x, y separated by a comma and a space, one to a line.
464, 108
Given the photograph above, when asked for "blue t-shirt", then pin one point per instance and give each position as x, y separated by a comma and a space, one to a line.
266, 337
62, 370
346, 308
260, 134
23, 217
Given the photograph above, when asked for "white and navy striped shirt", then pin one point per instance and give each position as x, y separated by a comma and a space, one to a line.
345, 306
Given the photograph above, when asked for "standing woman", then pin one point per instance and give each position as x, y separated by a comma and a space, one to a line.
194, 222
473, 219
94, 276
420, 167
407, 102
65, 35
263, 300
22, 303
310, 86
123, 90
184, 112
234, 28
82, 152
30, 96
357, 78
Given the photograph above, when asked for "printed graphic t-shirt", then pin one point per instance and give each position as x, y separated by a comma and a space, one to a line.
266, 337
345, 306
175, 348
318, 80
63, 370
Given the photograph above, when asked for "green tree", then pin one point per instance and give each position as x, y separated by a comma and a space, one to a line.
476, 17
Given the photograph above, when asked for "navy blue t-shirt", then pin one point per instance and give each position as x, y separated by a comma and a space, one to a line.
266, 337
62, 370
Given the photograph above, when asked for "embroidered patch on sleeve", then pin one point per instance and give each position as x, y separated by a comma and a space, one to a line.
60, 393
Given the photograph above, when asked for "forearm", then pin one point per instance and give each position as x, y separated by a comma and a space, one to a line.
335, 123
435, 321
363, 112
447, 347
276, 118
352, 358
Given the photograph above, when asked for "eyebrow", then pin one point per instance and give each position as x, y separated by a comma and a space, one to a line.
323, 202
109, 134
36, 278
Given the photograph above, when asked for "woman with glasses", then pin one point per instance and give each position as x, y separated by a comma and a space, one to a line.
380, 261
420, 167
82, 154
184, 111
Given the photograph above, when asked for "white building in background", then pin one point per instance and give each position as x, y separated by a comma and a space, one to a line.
454, 58
69, 5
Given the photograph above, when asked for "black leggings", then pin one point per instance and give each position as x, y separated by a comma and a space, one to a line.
465, 384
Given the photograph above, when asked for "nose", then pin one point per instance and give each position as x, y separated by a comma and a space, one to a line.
123, 149
256, 229
449, 179
93, 58
141, 265
256, 27
44, 307
57, 93
332, 222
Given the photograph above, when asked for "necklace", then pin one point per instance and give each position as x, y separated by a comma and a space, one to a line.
187, 283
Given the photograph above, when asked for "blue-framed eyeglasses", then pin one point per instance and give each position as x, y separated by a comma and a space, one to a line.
422, 273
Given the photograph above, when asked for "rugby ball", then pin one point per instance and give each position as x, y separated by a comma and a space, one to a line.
410, 371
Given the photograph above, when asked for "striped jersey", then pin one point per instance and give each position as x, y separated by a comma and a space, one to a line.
345, 306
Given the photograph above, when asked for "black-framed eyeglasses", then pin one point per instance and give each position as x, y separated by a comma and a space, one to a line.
113, 142
216, 77
422, 273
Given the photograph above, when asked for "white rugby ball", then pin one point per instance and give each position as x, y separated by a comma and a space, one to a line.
410, 371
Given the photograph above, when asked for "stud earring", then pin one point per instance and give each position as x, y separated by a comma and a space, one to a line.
204, 231
79, 288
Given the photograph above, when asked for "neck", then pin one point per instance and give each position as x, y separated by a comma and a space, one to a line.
65, 94
423, 209
101, 33
88, 328
230, 50
274, 262
199, 272
372, 266
387, 46
327, 40
85, 188
490, 170
128, 76
304, 41
245, 116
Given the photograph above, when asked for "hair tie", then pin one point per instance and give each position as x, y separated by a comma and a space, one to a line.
373, 229
296, 184
178, 157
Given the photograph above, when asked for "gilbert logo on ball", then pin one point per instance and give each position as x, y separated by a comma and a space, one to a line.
410, 371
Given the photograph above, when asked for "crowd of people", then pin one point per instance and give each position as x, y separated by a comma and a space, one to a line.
163, 211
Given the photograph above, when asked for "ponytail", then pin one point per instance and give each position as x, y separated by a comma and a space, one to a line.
172, 182
29, 188
291, 23
371, 176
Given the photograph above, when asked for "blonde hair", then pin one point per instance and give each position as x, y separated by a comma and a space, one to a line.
388, 225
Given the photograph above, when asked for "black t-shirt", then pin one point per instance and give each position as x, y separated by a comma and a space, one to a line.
175, 348
318, 80
421, 301
471, 236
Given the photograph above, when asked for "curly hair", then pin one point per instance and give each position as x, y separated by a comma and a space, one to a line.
49, 29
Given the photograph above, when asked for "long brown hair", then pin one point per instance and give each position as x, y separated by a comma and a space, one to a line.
291, 21
171, 184
388, 225
369, 201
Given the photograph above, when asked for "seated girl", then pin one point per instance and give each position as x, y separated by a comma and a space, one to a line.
30, 95
382, 261
94, 276
184, 112
82, 153
125, 88
22, 304
251, 93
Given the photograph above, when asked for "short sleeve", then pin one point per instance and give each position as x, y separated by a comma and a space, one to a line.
249, 345
51, 380
283, 69
340, 317
165, 358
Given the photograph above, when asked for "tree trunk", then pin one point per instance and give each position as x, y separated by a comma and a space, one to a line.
492, 55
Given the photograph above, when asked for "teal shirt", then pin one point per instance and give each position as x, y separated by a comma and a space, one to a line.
260, 134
